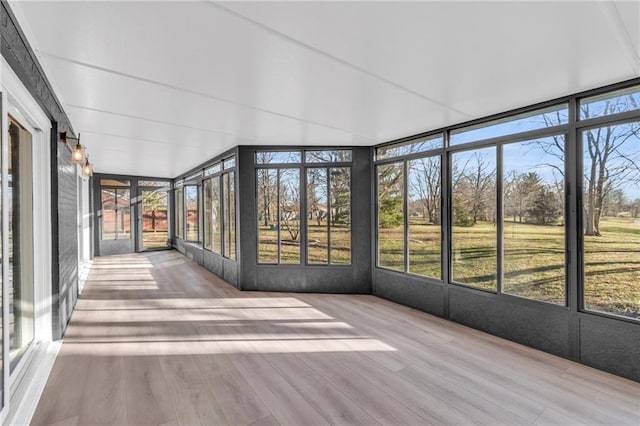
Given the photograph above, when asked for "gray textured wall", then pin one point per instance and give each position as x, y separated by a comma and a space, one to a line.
64, 287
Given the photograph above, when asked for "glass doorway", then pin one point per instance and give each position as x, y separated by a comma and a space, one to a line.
154, 218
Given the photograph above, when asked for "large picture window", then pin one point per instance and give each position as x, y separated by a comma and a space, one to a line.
533, 219
328, 215
391, 227
611, 214
473, 217
310, 203
424, 216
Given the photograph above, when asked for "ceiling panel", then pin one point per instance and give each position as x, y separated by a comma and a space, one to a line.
180, 82
477, 57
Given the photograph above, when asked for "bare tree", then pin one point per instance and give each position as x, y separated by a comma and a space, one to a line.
475, 184
608, 166
424, 182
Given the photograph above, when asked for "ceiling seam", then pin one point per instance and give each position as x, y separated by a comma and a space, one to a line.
343, 62
113, 135
153, 120
196, 93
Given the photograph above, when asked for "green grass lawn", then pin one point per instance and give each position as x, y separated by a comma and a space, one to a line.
533, 260
155, 239
317, 251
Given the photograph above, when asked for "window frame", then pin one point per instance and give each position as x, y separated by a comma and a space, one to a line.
302, 167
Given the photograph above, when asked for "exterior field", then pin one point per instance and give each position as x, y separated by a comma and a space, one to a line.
533, 260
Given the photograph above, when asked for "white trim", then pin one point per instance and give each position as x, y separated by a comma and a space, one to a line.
22, 386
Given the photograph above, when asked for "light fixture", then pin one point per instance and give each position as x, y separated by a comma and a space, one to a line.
77, 152
87, 168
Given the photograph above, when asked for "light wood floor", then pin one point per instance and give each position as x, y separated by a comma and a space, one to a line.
157, 340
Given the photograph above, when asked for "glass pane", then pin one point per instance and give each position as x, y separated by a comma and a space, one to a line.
216, 216
289, 215
317, 216
153, 183
229, 163
424, 216
226, 213
179, 202
539, 119
278, 157
610, 103
391, 216
194, 176
328, 156
20, 274
216, 168
473, 203
191, 203
611, 203
115, 182
340, 226
155, 220
206, 187
123, 214
232, 216
267, 208
405, 148
533, 222
108, 223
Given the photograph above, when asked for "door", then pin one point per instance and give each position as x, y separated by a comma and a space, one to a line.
154, 218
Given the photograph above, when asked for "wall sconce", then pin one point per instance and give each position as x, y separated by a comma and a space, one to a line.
77, 152
87, 168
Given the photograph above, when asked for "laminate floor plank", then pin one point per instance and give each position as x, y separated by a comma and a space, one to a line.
157, 340
148, 402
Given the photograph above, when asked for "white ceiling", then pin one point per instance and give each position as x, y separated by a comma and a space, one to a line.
156, 88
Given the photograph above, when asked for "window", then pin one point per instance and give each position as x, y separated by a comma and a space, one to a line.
317, 216
207, 222
539, 119
610, 103
533, 219
268, 223
473, 216
191, 204
229, 225
424, 216
611, 211
278, 157
340, 215
216, 168
20, 274
229, 163
328, 156
152, 183
390, 184
289, 215
115, 182
179, 204
216, 216
279, 215
406, 148
328, 215
116, 213
220, 209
